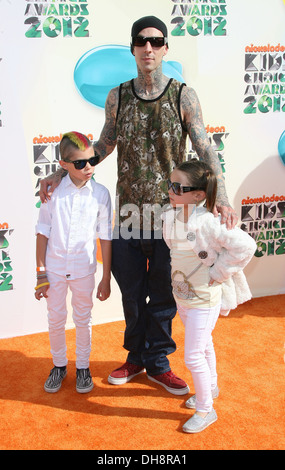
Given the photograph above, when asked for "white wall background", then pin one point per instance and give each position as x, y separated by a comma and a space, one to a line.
38, 98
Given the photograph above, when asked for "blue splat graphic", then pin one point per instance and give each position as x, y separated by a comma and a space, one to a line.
281, 147
105, 67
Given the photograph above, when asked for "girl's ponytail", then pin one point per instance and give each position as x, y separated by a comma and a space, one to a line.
210, 189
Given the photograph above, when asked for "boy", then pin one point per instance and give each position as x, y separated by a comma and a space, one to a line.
78, 211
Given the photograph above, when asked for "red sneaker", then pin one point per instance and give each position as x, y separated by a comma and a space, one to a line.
171, 383
124, 374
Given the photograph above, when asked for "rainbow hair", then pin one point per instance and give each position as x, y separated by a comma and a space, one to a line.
73, 140
80, 140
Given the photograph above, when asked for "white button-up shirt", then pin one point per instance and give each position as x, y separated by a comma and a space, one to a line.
72, 220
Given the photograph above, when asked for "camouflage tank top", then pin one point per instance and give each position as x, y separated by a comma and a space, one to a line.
151, 141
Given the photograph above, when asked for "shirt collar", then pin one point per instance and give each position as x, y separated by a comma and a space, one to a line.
67, 182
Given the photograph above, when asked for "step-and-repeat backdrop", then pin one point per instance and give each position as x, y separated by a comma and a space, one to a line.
59, 59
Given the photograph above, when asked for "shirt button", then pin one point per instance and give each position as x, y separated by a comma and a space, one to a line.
191, 236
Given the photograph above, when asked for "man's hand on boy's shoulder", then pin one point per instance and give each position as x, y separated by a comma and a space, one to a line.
48, 184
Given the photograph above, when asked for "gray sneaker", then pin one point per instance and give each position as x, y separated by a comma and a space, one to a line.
191, 402
55, 378
84, 383
197, 423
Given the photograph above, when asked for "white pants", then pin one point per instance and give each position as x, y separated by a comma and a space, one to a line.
199, 353
82, 303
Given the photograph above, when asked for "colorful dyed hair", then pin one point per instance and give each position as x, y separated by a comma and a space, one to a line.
73, 140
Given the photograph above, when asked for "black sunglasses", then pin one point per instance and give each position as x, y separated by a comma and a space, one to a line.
178, 189
80, 164
140, 41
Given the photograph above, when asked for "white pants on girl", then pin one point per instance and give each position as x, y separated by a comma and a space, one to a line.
199, 353
82, 303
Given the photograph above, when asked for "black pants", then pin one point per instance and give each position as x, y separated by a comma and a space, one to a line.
142, 270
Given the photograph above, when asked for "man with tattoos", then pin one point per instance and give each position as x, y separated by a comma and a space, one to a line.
149, 118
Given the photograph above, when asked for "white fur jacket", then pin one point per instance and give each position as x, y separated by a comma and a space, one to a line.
226, 252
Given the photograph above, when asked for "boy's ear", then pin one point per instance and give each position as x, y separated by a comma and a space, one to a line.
63, 164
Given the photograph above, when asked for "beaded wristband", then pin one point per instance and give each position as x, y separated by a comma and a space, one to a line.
42, 285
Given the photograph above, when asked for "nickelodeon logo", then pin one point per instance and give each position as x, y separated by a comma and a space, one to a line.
217, 136
4, 226
216, 130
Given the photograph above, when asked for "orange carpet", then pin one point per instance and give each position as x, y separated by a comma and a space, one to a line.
141, 415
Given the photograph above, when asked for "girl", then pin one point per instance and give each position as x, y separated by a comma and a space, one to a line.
207, 278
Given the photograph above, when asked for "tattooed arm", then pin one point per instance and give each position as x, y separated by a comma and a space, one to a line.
192, 117
108, 139
104, 146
